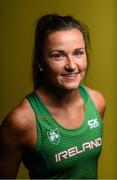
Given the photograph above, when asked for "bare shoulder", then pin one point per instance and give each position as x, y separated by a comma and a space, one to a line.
17, 135
19, 122
98, 99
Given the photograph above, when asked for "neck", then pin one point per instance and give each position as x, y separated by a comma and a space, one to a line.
61, 98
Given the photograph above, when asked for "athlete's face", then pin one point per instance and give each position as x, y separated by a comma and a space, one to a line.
65, 60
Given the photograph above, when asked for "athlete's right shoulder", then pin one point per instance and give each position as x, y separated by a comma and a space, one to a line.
17, 134
19, 122
20, 115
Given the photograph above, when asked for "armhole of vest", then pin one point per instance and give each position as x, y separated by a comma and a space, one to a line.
33, 103
89, 98
84, 94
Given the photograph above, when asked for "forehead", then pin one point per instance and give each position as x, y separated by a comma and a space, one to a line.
65, 37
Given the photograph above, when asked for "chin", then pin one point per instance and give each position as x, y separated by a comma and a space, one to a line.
70, 86
66, 86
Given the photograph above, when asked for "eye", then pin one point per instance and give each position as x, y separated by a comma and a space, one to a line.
57, 56
79, 52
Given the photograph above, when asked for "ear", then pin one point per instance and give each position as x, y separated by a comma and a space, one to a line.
40, 68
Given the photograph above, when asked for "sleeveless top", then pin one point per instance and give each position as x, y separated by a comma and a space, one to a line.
62, 153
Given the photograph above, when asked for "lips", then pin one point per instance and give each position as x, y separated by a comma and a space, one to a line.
70, 76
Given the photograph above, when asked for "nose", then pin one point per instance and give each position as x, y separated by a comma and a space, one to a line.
70, 64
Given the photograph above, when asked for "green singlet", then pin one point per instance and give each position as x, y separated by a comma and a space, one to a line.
62, 153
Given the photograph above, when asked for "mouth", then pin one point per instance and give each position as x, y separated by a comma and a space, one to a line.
70, 76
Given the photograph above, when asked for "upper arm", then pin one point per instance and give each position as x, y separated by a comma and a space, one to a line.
15, 137
10, 150
99, 100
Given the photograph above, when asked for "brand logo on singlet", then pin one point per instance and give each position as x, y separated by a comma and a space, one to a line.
93, 123
54, 136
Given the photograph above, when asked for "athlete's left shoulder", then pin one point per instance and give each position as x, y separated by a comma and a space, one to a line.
98, 99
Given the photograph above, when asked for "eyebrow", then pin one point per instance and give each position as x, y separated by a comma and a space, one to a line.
61, 51
82, 48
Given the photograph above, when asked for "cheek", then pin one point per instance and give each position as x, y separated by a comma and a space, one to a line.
84, 65
85, 68
55, 67
50, 74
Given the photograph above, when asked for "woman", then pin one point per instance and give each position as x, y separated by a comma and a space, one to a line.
57, 129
